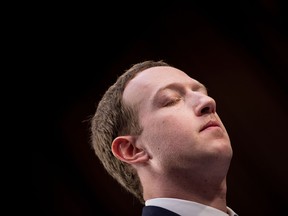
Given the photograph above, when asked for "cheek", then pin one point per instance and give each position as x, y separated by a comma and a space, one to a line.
168, 135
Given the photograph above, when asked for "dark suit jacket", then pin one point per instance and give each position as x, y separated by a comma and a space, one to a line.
157, 211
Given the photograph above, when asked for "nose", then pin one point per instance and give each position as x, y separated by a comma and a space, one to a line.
206, 105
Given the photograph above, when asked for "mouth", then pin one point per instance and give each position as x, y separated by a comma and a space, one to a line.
210, 124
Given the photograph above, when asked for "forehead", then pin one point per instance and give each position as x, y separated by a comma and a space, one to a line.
142, 87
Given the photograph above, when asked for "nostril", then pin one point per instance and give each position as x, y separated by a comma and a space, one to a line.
205, 110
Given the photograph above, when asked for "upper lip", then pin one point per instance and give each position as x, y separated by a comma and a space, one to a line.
210, 123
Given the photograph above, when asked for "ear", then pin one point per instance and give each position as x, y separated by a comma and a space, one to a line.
124, 148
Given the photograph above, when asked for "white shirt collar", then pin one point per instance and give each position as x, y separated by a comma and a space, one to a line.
188, 208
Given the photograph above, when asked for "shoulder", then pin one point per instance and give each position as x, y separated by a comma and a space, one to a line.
155, 210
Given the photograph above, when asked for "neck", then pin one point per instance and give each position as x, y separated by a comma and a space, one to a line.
207, 191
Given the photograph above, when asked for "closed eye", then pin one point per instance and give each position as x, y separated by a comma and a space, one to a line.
172, 101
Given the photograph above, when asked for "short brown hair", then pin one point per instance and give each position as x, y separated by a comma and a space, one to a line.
114, 118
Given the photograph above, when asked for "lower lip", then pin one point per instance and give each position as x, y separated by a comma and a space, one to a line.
211, 127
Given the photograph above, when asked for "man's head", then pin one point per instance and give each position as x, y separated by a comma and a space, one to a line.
159, 123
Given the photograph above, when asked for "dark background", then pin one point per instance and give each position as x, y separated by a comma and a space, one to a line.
238, 50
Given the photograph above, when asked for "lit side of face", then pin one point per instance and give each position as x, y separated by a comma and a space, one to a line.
181, 128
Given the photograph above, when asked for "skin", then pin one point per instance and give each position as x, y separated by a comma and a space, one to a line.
176, 155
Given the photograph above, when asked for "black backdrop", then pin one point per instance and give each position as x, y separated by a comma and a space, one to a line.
238, 50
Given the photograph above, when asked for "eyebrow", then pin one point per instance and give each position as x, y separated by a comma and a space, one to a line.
180, 87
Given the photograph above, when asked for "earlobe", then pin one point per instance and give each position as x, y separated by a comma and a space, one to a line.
124, 148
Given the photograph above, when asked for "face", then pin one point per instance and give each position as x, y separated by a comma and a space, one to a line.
181, 129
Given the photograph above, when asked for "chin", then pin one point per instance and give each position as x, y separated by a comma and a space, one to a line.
221, 149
